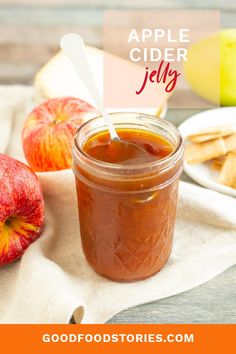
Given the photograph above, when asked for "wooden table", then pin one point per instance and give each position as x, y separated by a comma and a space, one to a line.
30, 30
212, 302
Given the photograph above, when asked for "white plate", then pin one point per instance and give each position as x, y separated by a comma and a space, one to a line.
202, 173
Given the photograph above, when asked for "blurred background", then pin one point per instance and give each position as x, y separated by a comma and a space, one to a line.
30, 29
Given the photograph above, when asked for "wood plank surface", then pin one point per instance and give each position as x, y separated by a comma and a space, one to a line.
212, 302
134, 4
30, 29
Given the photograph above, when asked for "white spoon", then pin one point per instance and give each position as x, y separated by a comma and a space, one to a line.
73, 46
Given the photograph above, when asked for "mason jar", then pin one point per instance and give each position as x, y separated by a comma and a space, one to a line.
127, 212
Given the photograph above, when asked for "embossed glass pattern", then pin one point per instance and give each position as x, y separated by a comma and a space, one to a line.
127, 214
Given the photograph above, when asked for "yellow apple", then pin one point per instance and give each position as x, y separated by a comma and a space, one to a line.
211, 67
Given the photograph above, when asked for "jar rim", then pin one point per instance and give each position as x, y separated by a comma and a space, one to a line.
178, 151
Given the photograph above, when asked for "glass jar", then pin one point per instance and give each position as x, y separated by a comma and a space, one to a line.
127, 212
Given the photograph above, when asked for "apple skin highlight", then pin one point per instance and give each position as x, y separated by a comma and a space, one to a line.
49, 130
21, 209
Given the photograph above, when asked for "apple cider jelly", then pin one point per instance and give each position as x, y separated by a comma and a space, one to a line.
127, 208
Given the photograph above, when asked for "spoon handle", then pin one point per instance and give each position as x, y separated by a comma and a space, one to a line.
73, 46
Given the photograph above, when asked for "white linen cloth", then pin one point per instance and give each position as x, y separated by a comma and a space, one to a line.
53, 279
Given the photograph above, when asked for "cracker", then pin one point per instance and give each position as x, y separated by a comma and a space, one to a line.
228, 172
197, 153
230, 142
215, 166
217, 162
210, 134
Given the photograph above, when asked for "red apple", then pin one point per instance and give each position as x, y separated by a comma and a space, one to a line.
21, 209
49, 131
